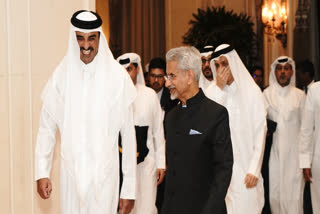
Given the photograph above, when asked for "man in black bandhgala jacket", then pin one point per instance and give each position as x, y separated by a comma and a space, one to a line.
198, 142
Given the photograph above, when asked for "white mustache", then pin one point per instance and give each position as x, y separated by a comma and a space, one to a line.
171, 87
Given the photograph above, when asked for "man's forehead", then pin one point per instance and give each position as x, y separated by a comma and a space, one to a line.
172, 63
221, 59
172, 67
281, 64
156, 70
87, 34
206, 57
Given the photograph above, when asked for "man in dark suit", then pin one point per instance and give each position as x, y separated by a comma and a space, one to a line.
157, 71
198, 142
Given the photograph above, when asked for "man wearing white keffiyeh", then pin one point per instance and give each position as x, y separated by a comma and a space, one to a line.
235, 89
89, 99
147, 114
284, 103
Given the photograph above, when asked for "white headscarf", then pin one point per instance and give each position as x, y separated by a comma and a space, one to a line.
133, 58
278, 93
112, 89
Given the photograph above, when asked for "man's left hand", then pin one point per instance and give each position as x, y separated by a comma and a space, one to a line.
160, 175
126, 205
250, 180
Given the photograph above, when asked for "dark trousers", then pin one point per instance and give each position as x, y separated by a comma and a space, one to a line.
265, 174
160, 195
307, 205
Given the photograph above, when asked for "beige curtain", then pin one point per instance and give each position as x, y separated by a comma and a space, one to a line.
102, 8
137, 26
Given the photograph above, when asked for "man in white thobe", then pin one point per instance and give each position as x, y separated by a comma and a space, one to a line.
89, 99
206, 77
235, 89
304, 80
147, 114
309, 146
284, 104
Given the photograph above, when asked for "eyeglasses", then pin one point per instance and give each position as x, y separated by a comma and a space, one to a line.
160, 76
169, 77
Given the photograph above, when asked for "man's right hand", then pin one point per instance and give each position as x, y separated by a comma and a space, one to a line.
307, 175
44, 187
222, 77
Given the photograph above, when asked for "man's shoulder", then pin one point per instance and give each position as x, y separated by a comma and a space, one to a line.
146, 92
147, 89
300, 93
267, 92
213, 107
61, 69
172, 112
315, 86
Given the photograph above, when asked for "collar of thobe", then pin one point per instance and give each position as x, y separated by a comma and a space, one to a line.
88, 69
282, 91
281, 100
308, 86
194, 100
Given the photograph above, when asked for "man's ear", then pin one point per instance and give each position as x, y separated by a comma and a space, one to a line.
191, 76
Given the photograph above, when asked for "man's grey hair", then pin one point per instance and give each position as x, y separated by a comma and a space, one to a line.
188, 58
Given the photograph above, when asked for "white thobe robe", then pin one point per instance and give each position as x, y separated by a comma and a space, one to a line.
284, 106
89, 171
247, 152
310, 142
147, 112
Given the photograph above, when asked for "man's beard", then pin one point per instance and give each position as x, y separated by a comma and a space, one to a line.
173, 96
155, 85
284, 80
208, 73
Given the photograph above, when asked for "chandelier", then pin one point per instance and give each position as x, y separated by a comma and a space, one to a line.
274, 18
